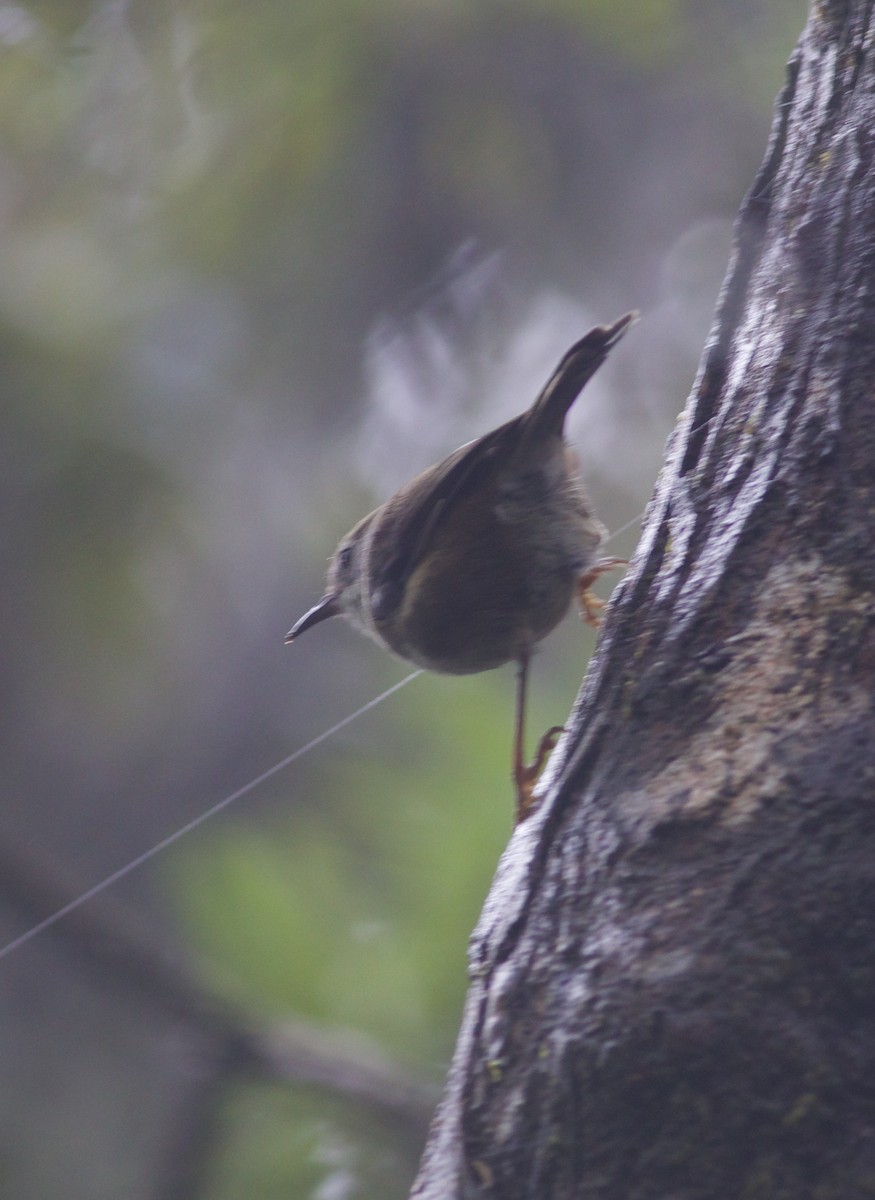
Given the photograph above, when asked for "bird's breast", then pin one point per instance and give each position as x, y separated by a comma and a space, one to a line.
493, 580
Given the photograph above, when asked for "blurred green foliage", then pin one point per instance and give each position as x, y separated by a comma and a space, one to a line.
279, 1145
359, 913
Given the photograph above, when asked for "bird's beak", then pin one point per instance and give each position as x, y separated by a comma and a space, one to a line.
327, 607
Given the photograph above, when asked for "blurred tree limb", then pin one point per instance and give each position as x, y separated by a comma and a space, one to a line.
672, 979
226, 1044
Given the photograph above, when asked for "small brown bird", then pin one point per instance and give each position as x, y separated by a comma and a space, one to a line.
476, 560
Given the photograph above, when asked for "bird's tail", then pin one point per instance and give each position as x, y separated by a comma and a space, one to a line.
547, 415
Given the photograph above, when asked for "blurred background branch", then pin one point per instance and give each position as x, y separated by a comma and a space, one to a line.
127, 954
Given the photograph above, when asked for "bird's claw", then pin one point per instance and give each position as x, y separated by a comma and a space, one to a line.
590, 605
527, 776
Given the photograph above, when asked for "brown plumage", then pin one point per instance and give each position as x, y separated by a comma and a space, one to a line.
476, 560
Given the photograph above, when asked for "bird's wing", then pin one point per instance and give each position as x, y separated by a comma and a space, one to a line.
420, 509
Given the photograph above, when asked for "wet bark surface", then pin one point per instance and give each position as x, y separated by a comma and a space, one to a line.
673, 980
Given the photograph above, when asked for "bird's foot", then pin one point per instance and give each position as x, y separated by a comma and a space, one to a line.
591, 606
527, 774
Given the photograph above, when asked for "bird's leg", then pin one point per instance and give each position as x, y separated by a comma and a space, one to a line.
526, 774
591, 606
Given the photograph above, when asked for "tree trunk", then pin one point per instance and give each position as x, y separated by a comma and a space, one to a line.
673, 981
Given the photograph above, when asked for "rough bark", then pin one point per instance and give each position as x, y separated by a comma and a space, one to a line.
673, 980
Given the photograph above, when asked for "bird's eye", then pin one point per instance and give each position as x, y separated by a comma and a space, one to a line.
344, 557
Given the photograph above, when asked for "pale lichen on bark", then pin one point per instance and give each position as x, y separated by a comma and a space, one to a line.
767, 700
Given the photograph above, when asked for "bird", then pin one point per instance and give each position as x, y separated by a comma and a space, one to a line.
475, 560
